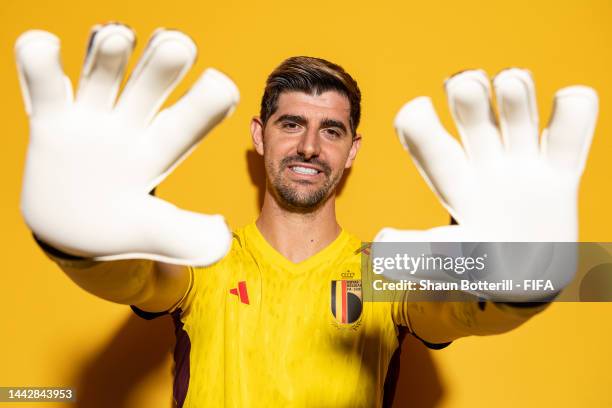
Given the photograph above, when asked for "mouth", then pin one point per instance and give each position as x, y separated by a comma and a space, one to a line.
305, 170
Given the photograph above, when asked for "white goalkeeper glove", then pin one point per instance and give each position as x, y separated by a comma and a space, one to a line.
93, 159
504, 184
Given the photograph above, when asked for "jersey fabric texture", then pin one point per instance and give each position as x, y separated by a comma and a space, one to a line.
257, 330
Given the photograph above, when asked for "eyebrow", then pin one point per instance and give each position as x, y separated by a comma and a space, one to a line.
333, 123
301, 120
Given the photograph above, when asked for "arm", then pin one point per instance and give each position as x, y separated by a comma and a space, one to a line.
94, 156
503, 185
459, 319
150, 286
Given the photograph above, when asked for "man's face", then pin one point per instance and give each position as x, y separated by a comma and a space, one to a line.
307, 143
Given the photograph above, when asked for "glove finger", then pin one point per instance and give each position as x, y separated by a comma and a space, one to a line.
469, 99
108, 52
178, 129
518, 112
162, 232
568, 136
165, 61
44, 86
439, 158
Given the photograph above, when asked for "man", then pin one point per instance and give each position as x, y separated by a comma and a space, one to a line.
280, 320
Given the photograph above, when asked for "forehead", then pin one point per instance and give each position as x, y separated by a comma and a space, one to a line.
329, 104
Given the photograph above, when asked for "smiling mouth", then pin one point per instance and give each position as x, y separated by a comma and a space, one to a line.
305, 171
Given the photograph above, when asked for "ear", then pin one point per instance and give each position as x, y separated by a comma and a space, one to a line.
257, 129
353, 152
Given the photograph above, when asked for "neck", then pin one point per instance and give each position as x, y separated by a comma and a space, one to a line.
298, 235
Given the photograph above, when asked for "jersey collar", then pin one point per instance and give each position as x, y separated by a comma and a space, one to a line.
272, 256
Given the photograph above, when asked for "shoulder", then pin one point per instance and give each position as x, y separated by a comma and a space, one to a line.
354, 248
238, 244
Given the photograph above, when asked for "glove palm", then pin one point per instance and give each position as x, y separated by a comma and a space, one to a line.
91, 162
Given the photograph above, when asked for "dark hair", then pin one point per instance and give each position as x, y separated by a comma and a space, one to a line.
313, 76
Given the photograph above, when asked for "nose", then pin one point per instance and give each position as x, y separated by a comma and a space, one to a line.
309, 145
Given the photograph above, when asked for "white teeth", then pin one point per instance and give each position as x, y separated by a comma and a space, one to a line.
304, 170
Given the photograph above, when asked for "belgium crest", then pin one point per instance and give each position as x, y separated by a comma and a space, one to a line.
346, 303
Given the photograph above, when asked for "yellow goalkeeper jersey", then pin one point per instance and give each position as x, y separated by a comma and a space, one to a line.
257, 330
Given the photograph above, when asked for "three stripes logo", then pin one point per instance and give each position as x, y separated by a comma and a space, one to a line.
346, 305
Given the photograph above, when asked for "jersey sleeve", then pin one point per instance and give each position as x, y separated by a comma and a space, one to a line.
187, 299
75, 267
400, 313
177, 308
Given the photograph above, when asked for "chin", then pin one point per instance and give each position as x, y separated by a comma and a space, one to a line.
302, 200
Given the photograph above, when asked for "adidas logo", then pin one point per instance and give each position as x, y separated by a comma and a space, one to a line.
241, 292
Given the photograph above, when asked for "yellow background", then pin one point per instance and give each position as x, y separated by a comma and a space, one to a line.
53, 333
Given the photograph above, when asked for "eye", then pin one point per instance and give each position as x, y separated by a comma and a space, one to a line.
290, 126
333, 132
